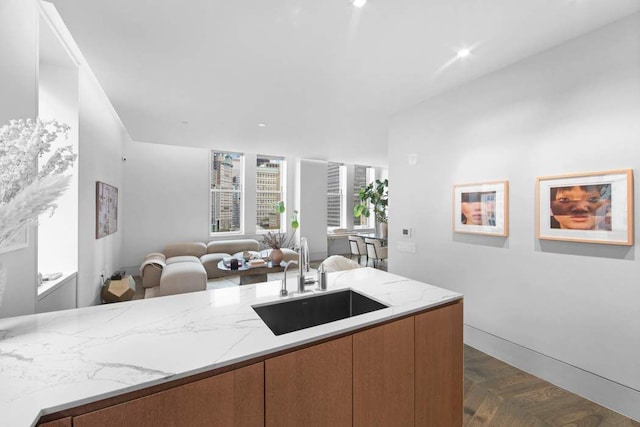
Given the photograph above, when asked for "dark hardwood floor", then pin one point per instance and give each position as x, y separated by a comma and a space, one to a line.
497, 394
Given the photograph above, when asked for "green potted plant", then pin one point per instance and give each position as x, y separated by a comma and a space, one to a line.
277, 240
375, 194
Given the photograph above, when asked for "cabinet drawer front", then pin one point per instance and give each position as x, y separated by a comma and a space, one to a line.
63, 422
310, 387
383, 375
439, 367
231, 399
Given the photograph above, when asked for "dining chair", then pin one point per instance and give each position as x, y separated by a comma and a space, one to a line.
376, 251
358, 248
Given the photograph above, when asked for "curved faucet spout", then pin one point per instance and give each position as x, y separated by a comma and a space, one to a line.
283, 291
303, 265
303, 256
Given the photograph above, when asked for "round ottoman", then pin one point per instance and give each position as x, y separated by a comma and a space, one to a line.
181, 277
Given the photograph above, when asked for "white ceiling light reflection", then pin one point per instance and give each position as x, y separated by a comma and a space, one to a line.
462, 54
359, 3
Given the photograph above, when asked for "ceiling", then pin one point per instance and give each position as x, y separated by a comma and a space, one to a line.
324, 76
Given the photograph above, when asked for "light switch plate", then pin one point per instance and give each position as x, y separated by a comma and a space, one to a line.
413, 159
409, 247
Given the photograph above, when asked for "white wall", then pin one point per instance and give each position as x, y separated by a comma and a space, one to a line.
167, 198
102, 138
311, 201
565, 311
18, 74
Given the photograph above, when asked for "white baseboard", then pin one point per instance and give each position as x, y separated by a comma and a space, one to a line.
610, 394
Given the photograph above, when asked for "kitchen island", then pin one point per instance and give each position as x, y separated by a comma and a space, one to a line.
96, 359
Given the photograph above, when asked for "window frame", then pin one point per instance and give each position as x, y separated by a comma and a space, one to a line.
341, 193
282, 192
240, 191
370, 176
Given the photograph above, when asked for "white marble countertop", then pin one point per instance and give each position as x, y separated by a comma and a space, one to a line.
54, 361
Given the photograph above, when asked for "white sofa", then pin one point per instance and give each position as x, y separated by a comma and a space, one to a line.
186, 266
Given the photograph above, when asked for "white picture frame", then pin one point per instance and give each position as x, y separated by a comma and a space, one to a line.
490, 204
608, 217
106, 209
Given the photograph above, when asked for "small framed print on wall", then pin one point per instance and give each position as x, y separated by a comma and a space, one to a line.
481, 208
106, 209
594, 207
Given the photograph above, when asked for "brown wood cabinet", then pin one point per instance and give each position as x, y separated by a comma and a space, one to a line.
63, 422
383, 375
439, 367
234, 398
310, 387
402, 373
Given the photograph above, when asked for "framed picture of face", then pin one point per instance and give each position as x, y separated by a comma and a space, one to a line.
481, 208
594, 207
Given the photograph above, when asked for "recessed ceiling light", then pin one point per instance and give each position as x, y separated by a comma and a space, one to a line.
262, 125
463, 53
359, 3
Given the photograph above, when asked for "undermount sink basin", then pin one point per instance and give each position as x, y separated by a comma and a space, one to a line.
300, 313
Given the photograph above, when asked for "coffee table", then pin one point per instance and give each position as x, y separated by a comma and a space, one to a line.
248, 275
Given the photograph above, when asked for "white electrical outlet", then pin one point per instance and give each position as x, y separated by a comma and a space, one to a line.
409, 247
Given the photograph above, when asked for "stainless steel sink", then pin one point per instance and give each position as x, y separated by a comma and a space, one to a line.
300, 313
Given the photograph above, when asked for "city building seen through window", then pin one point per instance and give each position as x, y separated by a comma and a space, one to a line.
226, 192
227, 186
270, 179
335, 195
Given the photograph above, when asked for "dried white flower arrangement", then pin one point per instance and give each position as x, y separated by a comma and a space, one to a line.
25, 192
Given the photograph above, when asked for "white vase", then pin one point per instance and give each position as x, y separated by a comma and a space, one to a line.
3, 281
382, 229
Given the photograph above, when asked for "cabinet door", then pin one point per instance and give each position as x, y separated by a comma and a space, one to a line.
439, 367
63, 422
383, 375
234, 398
310, 387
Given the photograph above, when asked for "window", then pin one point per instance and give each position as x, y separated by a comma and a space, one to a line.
270, 179
335, 195
226, 192
362, 176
